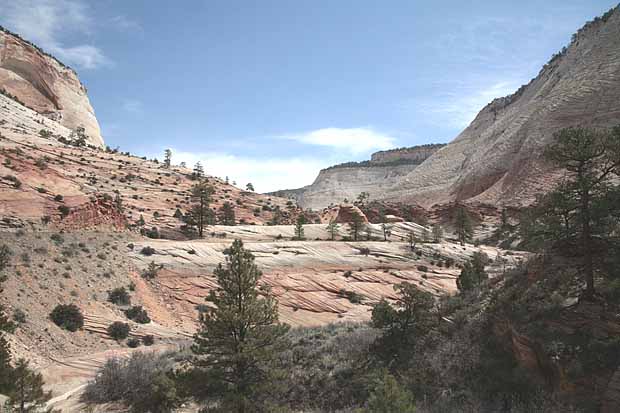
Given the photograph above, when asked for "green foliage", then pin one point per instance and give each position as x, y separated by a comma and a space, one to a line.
5, 258
138, 314
299, 227
27, 394
200, 214
152, 270
118, 330
142, 382
249, 187
64, 210
67, 316
119, 296
388, 396
463, 225
356, 226
410, 316
240, 335
332, 228
227, 214
473, 273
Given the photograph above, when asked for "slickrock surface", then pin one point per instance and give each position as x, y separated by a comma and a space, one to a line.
44, 84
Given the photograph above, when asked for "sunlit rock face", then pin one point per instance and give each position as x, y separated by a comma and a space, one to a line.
47, 86
497, 159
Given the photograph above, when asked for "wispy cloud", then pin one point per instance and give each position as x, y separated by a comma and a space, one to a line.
460, 106
353, 140
265, 174
45, 22
133, 106
124, 23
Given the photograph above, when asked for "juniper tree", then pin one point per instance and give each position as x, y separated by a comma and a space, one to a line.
200, 214
240, 335
332, 228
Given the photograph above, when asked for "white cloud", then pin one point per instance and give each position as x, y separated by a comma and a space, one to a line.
354, 140
133, 106
44, 22
265, 174
124, 23
459, 107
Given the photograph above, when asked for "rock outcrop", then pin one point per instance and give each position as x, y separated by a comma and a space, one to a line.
42, 83
346, 181
497, 159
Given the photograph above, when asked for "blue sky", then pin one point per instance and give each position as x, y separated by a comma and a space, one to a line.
272, 91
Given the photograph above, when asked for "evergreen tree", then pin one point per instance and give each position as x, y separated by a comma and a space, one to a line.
198, 172
388, 396
27, 394
401, 323
332, 228
437, 233
240, 335
6, 326
118, 202
276, 217
227, 214
299, 227
167, 158
355, 226
462, 225
141, 221
473, 273
200, 214
249, 187
581, 215
387, 231
411, 239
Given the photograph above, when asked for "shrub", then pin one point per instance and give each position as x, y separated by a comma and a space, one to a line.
148, 340
352, 296
67, 316
422, 268
119, 296
151, 271
64, 210
5, 256
58, 198
19, 316
148, 251
365, 251
133, 342
118, 330
57, 238
138, 314
141, 382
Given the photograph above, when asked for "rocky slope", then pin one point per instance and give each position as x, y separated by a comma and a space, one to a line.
497, 158
45, 85
346, 181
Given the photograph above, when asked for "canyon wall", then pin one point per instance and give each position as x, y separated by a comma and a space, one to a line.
42, 83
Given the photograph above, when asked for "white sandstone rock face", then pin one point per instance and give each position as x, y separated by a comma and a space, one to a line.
47, 86
497, 159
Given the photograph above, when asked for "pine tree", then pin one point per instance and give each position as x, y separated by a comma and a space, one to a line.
167, 158
437, 233
462, 224
200, 214
388, 396
198, 172
332, 228
249, 187
299, 227
227, 214
355, 226
27, 394
473, 273
387, 231
240, 335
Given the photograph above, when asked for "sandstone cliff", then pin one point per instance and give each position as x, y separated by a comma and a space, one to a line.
497, 158
44, 84
346, 181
